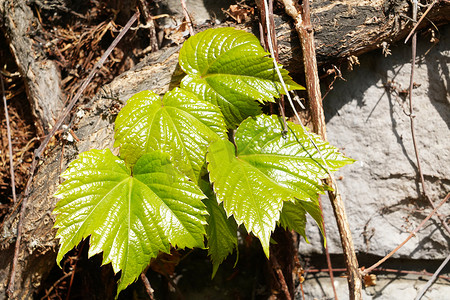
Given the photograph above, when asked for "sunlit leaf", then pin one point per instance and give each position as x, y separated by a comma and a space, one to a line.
180, 124
229, 68
293, 215
221, 231
267, 168
129, 218
148, 200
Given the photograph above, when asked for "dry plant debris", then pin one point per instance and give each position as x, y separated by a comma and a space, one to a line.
75, 46
22, 130
241, 13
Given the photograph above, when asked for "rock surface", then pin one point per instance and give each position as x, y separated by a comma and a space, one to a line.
381, 190
387, 288
199, 11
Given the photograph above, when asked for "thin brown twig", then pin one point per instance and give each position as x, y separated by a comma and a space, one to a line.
411, 117
267, 30
143, 6
147, 285
12, 212
409, 272
302, 291
267, 11
38, 153
10, 150
327, 253
80, 251
280, 276
413, 31
432, 279
337, 74
302, 20
96, 67
411, 113
368, 270
56, 284
187, 17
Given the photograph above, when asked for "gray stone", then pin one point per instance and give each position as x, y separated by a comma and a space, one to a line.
200, 10
381, 190
388, 287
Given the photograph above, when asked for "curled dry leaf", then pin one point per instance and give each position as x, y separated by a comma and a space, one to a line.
239, 12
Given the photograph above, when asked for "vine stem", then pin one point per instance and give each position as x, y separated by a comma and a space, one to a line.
280, 276
421, 18
416, 151
148, 287
187, 17
327, 253
411, 85
302, 20
432, 279
266, 10
413, 233
382, 270
433, 276
38, 153
412, 116
271, 43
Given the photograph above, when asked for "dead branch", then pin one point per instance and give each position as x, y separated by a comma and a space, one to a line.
301, 16
411, 110
41, 76
432, 279
187, 17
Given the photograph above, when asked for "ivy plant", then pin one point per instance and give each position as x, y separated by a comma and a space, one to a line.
197, 163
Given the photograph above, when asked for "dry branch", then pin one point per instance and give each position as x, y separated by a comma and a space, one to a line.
301, 16
41, 76
344, 29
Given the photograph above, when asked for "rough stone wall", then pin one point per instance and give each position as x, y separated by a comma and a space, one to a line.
391, 287
381, 190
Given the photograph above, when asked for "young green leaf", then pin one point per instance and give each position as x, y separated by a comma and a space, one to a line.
221, 231
293, 215
268, 168
180, 124
229, 68
129, 218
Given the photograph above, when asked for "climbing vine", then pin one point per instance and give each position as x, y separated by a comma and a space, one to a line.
196, 163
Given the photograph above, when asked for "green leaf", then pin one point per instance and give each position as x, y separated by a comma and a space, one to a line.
221, 231
293, 215
268, 168
129, 218
229, 68
180, 124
